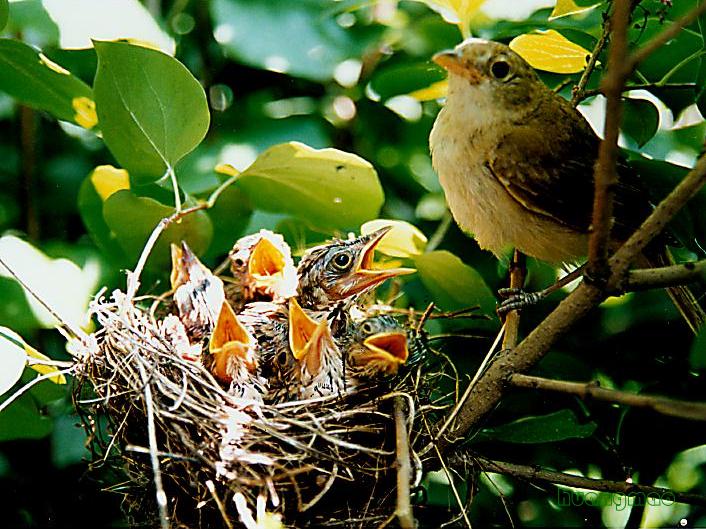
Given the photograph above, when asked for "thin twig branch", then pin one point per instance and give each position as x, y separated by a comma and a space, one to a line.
666, 276
695, 411
606, 174
579, 91
626, 488
642, 86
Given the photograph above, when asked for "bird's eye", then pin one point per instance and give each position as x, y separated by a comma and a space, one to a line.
238, 262
500, 70
342, 260
367, 328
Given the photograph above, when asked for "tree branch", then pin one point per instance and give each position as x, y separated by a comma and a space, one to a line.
578, 93
695, 411
518, 272
666, 276
538, 474
605, 172
404, 468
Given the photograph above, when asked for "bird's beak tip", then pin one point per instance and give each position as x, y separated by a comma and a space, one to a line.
445, 58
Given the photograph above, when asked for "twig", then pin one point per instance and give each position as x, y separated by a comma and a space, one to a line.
154, 457
606, 175
221, 508
579, 91
535, 473
676, 408
666, 276
662, 38
404, 469
518, 272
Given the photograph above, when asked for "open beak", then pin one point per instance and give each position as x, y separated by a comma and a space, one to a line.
389, 348
366, 275
308, 339
266, 260
185, 265
230, 342
450, 61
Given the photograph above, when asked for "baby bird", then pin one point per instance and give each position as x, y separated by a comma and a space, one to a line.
341, 270
374, 347
198, 294
263, 269
233, 357
318, 371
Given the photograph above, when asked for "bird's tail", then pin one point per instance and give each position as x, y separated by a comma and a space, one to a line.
682, 296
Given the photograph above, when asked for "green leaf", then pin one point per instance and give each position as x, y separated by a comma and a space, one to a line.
4, 13
132, 219
641, 120
29, 19
452, 283
296, 38
230, 216
152, 110
34, 80
326, 187
550, 428
23, 420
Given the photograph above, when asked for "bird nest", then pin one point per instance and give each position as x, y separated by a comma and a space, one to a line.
217, 460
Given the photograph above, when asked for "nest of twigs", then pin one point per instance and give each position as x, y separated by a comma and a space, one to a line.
215, 460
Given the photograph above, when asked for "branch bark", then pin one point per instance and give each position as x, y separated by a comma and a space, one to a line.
666, 276
695, 411
518, 272
404, 468
605, 173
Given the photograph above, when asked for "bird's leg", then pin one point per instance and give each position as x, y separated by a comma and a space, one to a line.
516, 298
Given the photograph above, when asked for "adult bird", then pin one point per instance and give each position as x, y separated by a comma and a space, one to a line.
516, 162
198, 293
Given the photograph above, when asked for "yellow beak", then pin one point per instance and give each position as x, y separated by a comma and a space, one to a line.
308, 339
266, 260
450, 61
230, 342
388, 347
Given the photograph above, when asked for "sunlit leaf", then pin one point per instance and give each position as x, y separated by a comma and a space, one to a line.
12, 359
434, 91
403, 240
458, 12
553, 427
564, 8
107, 179
34, 80
81, 21
152, 110
60, 283
550, 51
326, 187
452, 283
406, 79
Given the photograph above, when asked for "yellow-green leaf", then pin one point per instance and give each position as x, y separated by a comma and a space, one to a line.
550, 51
458, 12
565, 8
434, 91
403, 240
107, 180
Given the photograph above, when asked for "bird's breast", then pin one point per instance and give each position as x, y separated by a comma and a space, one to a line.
483, 207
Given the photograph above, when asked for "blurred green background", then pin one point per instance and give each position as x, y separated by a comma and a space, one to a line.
344, 74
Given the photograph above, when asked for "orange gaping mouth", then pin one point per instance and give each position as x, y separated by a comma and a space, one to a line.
266, 260
366, 265
230, 339
390, 347
308, 339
